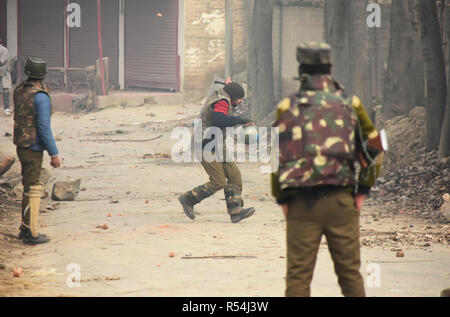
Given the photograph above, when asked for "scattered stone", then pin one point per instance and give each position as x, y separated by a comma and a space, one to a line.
156, 156
17, 272
66, 191
11, 181
445, 210
400, 254
2, 266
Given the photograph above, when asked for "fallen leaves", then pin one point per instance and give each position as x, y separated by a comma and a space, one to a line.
104, 227
400, 254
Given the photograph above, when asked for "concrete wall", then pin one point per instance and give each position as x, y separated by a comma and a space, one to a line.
204, 42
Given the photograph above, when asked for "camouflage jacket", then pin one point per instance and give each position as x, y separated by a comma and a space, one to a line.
25, 127
206, 113
314, 164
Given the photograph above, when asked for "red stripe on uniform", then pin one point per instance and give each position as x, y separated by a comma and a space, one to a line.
222, 107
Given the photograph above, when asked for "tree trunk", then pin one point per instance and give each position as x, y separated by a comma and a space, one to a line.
401, 77
435, 78
360, 82
260, 59
336, 18
444, 148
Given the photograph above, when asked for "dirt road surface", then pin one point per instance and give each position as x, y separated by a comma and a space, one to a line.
150, 248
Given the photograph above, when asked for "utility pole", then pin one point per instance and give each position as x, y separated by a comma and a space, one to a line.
228, 38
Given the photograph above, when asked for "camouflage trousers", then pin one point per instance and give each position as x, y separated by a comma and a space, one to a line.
336, 217
222, 176
31, 162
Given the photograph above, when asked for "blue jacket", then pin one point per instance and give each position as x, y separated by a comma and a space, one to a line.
44, 138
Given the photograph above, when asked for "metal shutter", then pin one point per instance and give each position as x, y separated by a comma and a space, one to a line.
3, 22
151, 35
43, 30
84, 41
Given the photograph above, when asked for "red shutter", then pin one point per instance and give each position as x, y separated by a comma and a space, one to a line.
151, 36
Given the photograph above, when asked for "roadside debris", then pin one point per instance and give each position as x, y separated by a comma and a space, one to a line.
156, 156
66, 191
17, 272
6, 164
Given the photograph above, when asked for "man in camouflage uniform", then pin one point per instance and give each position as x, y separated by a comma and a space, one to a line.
222, 174
316, 183
33, 135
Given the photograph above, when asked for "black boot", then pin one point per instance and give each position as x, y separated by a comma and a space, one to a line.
187, 202
27, 238
194, 197
244, 214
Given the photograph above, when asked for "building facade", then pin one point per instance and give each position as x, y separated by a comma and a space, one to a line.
173, 45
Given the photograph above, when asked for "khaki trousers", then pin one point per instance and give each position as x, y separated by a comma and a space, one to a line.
336, 217
222, 174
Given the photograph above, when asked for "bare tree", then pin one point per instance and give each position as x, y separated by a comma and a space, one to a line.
435, 78
260, 58
336, 34
444, 147
404, 84
358, 43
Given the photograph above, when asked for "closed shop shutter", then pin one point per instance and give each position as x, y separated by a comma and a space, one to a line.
84, 50
3, 22
43, 30
151, 35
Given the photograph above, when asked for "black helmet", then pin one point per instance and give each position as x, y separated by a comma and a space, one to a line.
235, 91
35, 68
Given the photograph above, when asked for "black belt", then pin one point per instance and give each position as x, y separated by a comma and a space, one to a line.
312, 194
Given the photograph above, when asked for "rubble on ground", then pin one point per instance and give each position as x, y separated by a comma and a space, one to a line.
414, 180
66, 191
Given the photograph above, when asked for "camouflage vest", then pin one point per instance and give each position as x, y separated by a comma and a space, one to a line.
25, 113
317, 138
206, 113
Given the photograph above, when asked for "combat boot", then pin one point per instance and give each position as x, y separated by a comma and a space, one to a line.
27, 238
243, 214
187, 202
192, 198
235, 203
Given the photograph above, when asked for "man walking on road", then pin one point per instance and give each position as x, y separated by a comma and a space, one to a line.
321, 134
33, 136
222, 174
5, 78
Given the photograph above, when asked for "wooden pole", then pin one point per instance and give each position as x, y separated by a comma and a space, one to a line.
100, 46
228, 38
